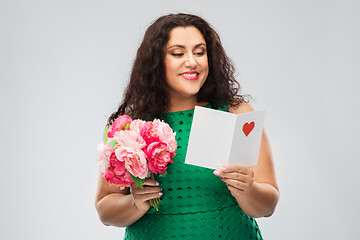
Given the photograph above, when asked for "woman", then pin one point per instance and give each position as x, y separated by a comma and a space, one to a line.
180, 64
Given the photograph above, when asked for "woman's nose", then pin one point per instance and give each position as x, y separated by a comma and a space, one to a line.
190, 61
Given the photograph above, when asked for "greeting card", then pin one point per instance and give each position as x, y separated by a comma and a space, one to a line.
220, 138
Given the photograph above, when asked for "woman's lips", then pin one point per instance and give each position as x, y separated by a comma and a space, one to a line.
193, 75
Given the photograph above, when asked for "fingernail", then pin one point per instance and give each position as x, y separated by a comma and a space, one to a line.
221, 177
217, 173
160, 194
161, 189
157, 184
223, 169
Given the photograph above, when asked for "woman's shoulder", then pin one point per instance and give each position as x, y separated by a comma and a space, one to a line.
243, 107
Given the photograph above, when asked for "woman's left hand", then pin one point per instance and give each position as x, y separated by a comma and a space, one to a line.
238, 179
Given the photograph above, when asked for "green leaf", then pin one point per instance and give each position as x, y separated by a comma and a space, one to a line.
138, 181
105, 134
163, 174
113, 143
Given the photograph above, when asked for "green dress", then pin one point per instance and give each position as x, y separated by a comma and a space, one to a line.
195, 204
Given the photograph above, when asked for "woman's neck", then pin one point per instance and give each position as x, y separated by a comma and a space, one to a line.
184, 104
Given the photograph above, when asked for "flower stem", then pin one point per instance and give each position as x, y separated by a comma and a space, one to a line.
154, 202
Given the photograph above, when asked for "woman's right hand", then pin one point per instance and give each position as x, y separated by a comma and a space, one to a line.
149, 191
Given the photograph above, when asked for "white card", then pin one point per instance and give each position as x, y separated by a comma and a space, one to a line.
220, 138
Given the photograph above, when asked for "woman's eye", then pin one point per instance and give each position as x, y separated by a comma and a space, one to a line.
177, 54
199, 53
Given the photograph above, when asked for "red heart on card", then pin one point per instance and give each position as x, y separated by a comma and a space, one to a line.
248, 127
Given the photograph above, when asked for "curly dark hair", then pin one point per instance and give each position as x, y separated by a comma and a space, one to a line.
146, 94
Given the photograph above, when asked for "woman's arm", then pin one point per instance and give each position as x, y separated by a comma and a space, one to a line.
120, 207
254, 188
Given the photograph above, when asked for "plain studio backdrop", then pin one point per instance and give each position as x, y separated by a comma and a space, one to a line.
63, 68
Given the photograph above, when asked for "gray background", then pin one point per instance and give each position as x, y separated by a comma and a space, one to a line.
63, 67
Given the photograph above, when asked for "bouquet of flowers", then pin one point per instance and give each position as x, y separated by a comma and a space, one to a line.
134, 150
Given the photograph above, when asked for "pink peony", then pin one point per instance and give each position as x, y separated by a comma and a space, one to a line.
158, 155
137, 125
120, 123
104, 152
165, 134
130, 139
116, 165
134, 159
123, 181
149, 133
117, 173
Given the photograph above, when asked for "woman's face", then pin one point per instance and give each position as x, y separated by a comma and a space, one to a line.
186, 62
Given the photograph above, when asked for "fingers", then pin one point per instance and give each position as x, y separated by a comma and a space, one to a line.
233, 168
145, 193
145, 190
150, 190
236, 191
239, 185
235, 172
238, 176
147, 196
149, 187
238, 179
150, 182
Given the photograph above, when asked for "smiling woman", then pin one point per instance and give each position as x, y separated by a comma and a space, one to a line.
180, 64
186, 65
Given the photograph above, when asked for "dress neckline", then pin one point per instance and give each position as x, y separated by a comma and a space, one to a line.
189, 110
